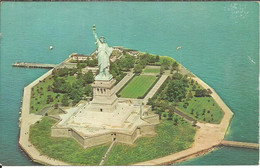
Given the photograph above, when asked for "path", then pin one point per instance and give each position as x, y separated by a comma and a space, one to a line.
106, 154
188, 118
155, 88
122, 82
207, 137
28, 119
44, 110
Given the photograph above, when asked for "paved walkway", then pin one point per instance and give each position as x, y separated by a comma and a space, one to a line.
206, 138
105, 156
188, 118
28, 119
123, 82
155, 88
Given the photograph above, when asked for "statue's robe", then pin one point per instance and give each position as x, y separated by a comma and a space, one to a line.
103, 54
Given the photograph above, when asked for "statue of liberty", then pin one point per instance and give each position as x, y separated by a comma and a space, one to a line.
103, 54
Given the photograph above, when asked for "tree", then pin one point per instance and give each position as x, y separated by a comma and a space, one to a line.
49, 88
48, 99
88, 78
65, 100
166, 63
177, 76
190, 95
157, 58
159, 113
72, 71
60, 86
126, 63
138, 68
171, 112
92, 63
175, 66
170, 116
176, 91
88, 90
152, 59
81, 65
114, 69
56, 106
76, 99
162, 70
201, 93
176, 121
61, 72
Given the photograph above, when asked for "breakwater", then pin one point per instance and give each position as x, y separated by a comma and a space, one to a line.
33, 65
240, 144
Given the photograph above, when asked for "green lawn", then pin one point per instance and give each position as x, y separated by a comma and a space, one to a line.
64, 149
152, 70
212, 114
40, 93
170, 139
138, 86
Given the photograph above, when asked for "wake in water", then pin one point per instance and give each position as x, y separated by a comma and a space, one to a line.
250, 59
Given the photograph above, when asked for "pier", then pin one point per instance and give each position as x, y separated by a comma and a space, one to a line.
240, 144
33, 65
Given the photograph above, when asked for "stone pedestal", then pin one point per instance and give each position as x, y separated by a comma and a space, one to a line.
104, 100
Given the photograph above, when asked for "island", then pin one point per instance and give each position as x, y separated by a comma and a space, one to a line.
119, 106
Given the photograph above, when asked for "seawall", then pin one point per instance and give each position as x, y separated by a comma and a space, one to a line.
208, 137
27, 120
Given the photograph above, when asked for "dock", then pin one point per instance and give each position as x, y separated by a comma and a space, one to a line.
240, 144
33, 65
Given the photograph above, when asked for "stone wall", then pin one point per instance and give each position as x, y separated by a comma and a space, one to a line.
136, 102
153, 119
104, 138
77, 137
98, 140
60, 132
124, 138
147, 130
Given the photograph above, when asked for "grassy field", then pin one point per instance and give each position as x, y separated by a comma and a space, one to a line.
166, 58
138, 86
204, 109
40, 93
64, 149
152, 70
170, 139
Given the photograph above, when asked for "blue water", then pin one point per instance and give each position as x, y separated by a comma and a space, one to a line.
219, 44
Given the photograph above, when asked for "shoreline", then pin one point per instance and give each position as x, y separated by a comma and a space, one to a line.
207, 138
26, 120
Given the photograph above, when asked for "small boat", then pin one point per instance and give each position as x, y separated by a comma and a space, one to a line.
51, 47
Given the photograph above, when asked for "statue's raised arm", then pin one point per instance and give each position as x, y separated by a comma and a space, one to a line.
94, 33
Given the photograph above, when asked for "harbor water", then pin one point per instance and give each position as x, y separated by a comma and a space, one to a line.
219, 40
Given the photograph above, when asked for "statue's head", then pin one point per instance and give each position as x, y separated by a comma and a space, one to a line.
102, 39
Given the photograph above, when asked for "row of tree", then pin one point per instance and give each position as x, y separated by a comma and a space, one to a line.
74, 91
